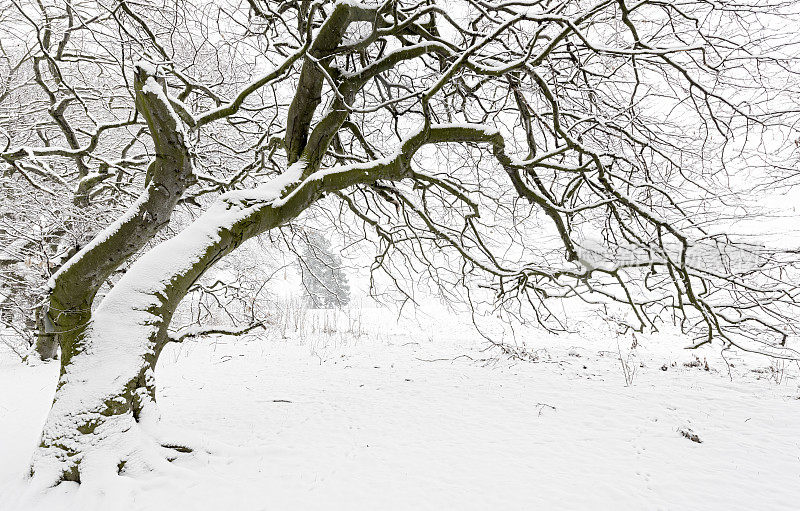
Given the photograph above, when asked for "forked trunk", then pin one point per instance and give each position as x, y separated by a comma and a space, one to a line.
73, 287
105, 398
106, 390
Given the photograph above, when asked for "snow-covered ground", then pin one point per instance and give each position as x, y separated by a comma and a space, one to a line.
371, 413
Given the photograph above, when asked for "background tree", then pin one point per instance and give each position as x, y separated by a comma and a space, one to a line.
484, 147
325, 284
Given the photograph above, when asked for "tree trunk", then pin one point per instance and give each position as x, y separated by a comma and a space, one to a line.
74, 286
105, 397
106, 391
46, 340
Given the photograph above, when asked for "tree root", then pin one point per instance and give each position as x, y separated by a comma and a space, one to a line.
120, 446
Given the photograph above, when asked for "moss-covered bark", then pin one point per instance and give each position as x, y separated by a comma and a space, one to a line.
107, 381
73, 287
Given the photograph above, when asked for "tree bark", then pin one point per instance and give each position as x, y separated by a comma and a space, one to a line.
106, 392
73, 287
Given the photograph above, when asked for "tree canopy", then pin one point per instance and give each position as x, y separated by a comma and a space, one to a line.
598, 151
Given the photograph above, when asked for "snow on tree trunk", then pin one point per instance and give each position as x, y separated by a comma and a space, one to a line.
106, 390
105, 398
73, 287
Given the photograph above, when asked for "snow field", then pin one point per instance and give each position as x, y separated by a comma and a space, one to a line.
383, 415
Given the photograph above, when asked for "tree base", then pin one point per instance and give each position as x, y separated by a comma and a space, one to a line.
119, 446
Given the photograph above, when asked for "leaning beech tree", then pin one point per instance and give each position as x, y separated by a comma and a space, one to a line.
547, 149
